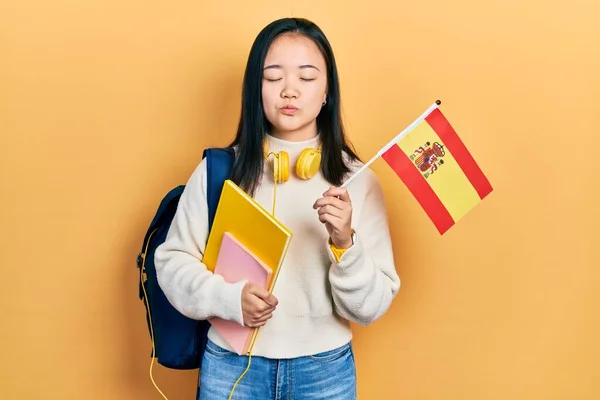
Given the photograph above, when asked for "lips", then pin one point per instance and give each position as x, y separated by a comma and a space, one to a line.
289, 110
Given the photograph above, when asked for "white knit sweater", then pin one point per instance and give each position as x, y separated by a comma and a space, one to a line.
318, 297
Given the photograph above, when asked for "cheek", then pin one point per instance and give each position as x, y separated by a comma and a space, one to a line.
269, 96
316, 98
318, 93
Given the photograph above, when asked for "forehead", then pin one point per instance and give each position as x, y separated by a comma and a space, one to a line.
294, 50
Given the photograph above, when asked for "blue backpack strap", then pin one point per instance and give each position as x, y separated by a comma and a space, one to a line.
219, 163
165, 210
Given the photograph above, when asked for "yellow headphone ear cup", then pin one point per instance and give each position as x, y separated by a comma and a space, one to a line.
282, 167
285, 166
309, 163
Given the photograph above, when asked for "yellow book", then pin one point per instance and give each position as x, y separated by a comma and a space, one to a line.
258, 230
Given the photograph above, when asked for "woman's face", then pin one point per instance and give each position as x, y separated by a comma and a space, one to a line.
294, 87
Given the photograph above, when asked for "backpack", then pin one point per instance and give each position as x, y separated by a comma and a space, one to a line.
178, 341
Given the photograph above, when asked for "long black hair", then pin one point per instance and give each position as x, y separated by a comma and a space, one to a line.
253, 125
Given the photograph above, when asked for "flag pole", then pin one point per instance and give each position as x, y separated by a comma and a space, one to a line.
394, 141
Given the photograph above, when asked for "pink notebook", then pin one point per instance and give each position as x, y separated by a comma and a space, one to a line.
235, 263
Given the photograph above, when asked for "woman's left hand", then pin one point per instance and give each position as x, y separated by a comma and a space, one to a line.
335, 211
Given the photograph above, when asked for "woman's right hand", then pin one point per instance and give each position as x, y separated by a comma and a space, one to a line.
257, 305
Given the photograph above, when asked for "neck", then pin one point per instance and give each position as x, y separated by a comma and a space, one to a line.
292, 147
299, 135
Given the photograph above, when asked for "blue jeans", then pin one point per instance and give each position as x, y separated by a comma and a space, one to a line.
326, 376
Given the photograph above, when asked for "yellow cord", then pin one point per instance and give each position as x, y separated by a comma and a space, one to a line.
142, 269
240, 378
275, 155
254, 341
247, 367
274, 196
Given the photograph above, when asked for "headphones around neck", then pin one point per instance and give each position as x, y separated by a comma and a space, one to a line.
307, 166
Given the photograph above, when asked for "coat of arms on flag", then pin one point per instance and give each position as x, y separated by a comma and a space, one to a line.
428, 157
432, 161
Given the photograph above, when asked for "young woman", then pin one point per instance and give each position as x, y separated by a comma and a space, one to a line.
339, 267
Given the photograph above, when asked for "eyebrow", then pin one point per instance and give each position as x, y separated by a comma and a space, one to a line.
306, 66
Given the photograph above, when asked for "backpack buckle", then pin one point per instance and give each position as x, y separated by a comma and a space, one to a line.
140, 260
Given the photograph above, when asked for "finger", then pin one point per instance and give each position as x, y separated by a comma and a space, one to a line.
265, 312
256, 324
263, 309
340, 192
329, 209
258, 291
257, 320
271, 300
266, 298
333, 201
257, 305
262, 320
332, 220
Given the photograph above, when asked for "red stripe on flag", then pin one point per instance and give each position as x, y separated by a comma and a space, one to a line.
419, 187
444, 130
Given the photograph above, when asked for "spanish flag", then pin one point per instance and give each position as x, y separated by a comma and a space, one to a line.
437, 168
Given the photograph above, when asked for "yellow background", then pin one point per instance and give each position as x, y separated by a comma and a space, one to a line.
106, 105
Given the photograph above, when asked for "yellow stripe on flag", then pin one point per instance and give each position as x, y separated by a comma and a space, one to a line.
448, 181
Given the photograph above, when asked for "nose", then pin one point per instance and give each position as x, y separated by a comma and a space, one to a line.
289, 91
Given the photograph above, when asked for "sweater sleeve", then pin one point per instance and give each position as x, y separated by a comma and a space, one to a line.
188, 285
364, 280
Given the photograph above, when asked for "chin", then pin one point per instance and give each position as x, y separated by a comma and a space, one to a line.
288, 126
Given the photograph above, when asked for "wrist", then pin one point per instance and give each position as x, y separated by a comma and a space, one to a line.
344, 244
